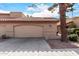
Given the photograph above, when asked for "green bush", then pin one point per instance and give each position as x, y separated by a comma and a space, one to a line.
71, 30
76, 30
73, 37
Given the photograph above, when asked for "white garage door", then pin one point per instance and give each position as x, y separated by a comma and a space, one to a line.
28, 31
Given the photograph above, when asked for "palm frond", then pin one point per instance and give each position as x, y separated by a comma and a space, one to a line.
70, 7
69, 10
70, 4
53, 6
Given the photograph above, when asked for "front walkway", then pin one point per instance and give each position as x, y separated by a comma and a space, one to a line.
34, 47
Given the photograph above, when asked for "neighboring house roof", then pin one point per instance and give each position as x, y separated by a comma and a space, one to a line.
67, 21
25, 19
13, 17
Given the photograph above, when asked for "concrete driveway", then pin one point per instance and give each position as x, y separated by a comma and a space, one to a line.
33, 47
24, 45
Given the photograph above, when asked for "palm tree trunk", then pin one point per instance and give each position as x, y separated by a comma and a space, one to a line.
62, 10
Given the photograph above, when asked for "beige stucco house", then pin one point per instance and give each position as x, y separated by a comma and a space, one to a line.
17, 25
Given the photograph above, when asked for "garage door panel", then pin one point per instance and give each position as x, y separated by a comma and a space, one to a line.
28, 31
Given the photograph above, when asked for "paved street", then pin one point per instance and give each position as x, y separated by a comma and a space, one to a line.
33, 47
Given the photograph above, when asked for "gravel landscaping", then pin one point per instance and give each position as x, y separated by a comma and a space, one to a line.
57, 44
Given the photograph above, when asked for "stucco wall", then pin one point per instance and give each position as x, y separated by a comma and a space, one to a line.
6, 29
2, 30
50, 31
76, 21
48, 28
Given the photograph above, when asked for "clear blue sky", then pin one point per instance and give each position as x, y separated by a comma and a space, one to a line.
34, 8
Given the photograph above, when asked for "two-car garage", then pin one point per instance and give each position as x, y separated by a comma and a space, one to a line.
46, 30
28, 31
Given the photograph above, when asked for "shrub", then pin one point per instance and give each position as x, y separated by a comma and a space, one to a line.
76, 30
73, 37
71, 30
5, 37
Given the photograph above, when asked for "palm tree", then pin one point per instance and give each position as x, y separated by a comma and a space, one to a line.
62, 11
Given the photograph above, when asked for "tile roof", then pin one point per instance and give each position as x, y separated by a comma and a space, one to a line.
26, 19
67, 21
7, 17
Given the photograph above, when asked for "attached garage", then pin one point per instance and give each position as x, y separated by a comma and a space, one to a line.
28, 31
17, 25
